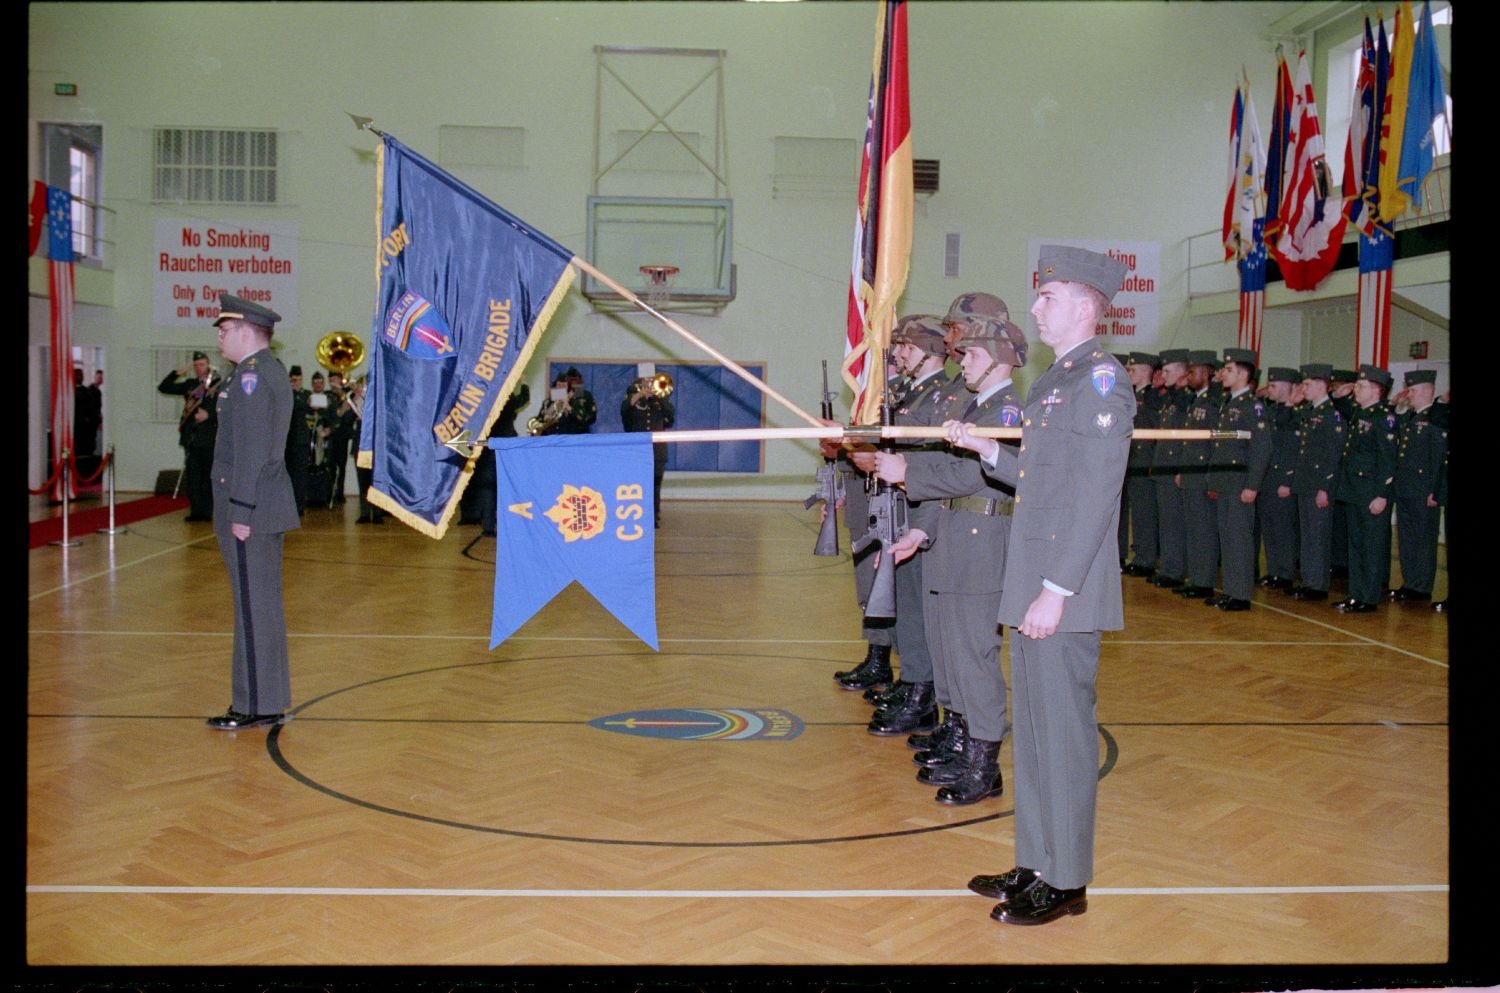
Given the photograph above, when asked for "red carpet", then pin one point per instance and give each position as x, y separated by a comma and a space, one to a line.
82, 522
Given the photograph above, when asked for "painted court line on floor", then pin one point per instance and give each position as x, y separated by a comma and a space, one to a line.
712, 894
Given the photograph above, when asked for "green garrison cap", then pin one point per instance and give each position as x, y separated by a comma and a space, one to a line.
1415, 376
1283, 374
1374, 374
233, 308
1170, 355
1317, 370
1065, 264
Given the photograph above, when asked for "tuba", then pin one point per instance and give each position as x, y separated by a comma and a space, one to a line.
340, 352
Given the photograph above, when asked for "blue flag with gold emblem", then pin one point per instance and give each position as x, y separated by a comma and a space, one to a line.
464, 291
575, 507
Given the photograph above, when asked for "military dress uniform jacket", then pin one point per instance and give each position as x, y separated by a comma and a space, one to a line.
1370, 449
1241, 463
191, 432
251, 485
1202, 415
968, 544
1320, 449
1421, 449
1283, 420
1067, 474
1167, 458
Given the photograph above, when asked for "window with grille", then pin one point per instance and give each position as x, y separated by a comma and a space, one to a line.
210, 165
72, 156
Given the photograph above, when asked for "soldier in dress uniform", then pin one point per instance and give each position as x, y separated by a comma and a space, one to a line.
1421, 451
1200, 522
1341, 391
1320, 449
299, 434
961, 522
1365, 490
1138, 498
1061, 586
1170, 527
196, 430
1276, 504
253, 510
1238, 473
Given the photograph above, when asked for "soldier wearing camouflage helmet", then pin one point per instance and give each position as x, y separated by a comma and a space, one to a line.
962, 529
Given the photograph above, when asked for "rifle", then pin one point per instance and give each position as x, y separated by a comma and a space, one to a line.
888, 523
830, 487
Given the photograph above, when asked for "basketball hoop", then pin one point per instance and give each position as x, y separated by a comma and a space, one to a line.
658, 283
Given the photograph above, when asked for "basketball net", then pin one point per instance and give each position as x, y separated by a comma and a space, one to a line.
658, 284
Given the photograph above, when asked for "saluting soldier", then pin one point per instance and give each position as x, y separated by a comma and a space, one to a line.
1320, 450
1365, 490
253, 510
1201, 524
1239, 471
1341, 390
1276, 504
1139, 495
196, 430
299, 437
961, 521
1421, 451
1171, 535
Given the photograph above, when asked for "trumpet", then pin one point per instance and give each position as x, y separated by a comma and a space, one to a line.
659, 386
552, 412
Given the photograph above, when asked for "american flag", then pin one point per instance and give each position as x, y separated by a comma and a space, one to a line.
1372, 342
1253, 292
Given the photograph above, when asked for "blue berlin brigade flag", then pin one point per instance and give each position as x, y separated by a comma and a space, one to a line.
575, 507
464, 291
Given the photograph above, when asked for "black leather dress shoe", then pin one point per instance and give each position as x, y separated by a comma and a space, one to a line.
1196, 592
1165, 582
1275, 582
1215, 601
1441, 606
1230, 603
233, 720
1005, 886
1407, 595
1041, 904
1143, 571
1352, 606
1307, 593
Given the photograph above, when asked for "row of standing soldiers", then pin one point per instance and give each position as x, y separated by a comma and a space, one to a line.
1326, 462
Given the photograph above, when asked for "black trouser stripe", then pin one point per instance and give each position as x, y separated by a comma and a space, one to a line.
242, 557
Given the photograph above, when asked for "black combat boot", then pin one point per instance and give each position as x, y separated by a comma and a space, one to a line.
875, 670
890, 697
981, 775
918, 712
927, 742
947, 756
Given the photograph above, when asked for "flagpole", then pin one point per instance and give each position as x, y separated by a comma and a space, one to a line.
875, 432
724, 360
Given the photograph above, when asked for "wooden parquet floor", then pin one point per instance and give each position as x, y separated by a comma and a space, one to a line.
1275, 786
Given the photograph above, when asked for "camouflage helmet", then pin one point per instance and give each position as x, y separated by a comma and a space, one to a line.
969, 308
1000, 338
922, 330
